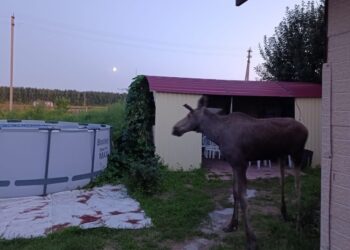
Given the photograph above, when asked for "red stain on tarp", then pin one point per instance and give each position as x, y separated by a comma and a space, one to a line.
115, 213
133, 221
88, 218
84, 198
57, 227
39, 217
35, 208
136, 211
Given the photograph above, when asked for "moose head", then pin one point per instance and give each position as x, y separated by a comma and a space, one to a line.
193, 119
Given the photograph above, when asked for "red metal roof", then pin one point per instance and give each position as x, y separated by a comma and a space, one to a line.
233, 88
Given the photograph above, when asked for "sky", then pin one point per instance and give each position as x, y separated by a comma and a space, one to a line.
65, 44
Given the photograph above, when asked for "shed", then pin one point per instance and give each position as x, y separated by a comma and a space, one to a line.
257, 98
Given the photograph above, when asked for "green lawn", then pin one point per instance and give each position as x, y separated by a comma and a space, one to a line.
186, 200
112, 115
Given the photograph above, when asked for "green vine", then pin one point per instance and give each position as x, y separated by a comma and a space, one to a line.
136, 146
139, 111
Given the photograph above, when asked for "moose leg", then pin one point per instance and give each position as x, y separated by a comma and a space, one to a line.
297, 168
242, 188
233, 226
298, 192
283, 203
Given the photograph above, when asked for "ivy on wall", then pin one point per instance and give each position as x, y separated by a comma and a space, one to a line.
137, 138
135, 147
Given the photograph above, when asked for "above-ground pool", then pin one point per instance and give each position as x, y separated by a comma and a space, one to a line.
38, 157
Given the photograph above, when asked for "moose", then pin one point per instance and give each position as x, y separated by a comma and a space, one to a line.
242, 138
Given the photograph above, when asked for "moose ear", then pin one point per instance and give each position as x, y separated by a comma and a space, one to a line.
188, 107
203, 102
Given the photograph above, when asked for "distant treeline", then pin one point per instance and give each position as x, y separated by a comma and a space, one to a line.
76, 98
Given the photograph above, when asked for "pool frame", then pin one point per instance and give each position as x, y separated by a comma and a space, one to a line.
51, 128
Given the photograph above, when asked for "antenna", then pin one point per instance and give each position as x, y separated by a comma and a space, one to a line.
248, 65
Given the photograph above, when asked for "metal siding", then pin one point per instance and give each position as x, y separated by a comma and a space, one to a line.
335, 206
176, 152
326, 157
308, 111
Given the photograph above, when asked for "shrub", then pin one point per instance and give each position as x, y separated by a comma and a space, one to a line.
143, 168
145, 176
62, 104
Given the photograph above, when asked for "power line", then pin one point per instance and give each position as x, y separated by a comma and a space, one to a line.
79, 29
134, 42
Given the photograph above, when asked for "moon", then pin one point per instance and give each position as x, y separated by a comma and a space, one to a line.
114, 69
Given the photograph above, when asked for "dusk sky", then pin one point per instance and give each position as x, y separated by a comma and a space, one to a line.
66, 44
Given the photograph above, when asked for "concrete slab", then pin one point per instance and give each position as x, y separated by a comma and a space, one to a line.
219, 169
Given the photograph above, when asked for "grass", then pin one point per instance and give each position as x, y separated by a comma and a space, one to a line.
112, 115
272, 232
186, 200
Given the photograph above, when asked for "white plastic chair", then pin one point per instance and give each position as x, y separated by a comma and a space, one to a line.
211, 150
258, 163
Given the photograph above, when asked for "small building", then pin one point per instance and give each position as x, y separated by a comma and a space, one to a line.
257, 98
47, 104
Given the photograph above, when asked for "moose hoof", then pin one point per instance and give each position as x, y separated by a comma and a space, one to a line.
231, 227
284, 213
227, 229
284, 218
251, 243
252, 246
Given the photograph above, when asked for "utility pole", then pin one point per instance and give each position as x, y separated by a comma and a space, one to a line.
11, 61
248, 65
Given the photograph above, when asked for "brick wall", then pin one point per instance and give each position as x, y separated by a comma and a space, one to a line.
335, 200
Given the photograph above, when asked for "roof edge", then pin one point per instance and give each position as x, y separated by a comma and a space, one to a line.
200, 86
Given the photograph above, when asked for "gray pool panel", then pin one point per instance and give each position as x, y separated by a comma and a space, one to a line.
37, 158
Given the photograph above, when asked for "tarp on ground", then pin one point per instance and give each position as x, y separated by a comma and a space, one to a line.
107, 206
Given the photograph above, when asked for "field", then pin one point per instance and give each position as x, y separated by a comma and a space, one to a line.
112, 115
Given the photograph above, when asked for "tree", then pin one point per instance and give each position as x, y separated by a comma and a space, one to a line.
62, 104
297, 49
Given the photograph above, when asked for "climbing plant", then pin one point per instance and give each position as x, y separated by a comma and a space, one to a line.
135, 148
139, 111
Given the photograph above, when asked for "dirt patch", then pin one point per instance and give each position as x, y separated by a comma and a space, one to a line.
265, 210
196, 244
220, 196
110, 246
166, 196
212, 234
